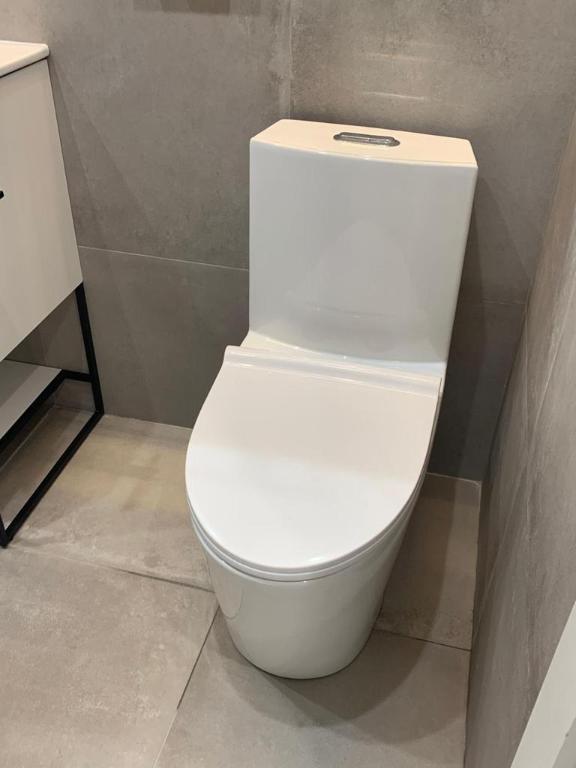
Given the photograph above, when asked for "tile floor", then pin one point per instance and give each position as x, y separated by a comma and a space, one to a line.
113, 654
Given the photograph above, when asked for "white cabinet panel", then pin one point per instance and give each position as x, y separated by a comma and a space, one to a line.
39, 264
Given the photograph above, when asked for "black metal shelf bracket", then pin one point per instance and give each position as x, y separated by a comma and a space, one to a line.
8, 532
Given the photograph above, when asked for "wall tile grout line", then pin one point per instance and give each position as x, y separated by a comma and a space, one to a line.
549, 372
465, 298
163, 258
497, 302
477, 483
478, 619
290, 56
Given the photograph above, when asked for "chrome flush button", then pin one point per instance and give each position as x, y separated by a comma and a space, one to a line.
367, 138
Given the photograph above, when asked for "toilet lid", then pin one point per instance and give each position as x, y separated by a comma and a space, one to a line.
296, 465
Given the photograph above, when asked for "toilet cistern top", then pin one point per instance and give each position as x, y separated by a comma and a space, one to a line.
385, 144
296, 466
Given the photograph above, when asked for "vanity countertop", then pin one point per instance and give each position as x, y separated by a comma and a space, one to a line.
14, 55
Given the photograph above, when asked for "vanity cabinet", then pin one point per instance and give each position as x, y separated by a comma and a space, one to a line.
39, 264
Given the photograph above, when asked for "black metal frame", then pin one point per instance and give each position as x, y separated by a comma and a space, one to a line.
92, 378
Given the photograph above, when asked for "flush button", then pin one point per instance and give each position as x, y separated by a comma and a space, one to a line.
367, 138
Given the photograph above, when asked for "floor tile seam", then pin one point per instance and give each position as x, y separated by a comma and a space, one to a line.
27, 549
502, 302
163, 579
209, 630
456, 478
421, 639
185, 689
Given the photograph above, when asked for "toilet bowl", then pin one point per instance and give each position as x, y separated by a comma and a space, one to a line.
308, 454
301, 476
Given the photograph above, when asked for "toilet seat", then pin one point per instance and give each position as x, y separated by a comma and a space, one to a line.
298, 465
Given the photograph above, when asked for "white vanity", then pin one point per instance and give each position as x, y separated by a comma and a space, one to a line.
39, 263
39, 266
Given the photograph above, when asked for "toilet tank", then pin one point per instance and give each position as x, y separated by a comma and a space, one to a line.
357, 244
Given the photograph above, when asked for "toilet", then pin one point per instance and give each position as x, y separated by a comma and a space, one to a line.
309, 452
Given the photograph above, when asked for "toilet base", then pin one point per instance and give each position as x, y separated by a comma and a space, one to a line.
311, 628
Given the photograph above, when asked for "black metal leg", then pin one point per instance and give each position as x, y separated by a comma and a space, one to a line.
89, 347
49, 479
3, 534
92, 377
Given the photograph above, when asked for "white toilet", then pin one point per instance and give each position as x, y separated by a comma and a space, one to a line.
309, 452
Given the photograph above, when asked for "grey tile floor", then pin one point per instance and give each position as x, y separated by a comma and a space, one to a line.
113, 654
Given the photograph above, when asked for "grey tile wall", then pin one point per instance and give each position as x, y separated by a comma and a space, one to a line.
160, 327
500, 74
481, 70
527, 581
484, 340
506, 473
501, 655
156, 101
551, 500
